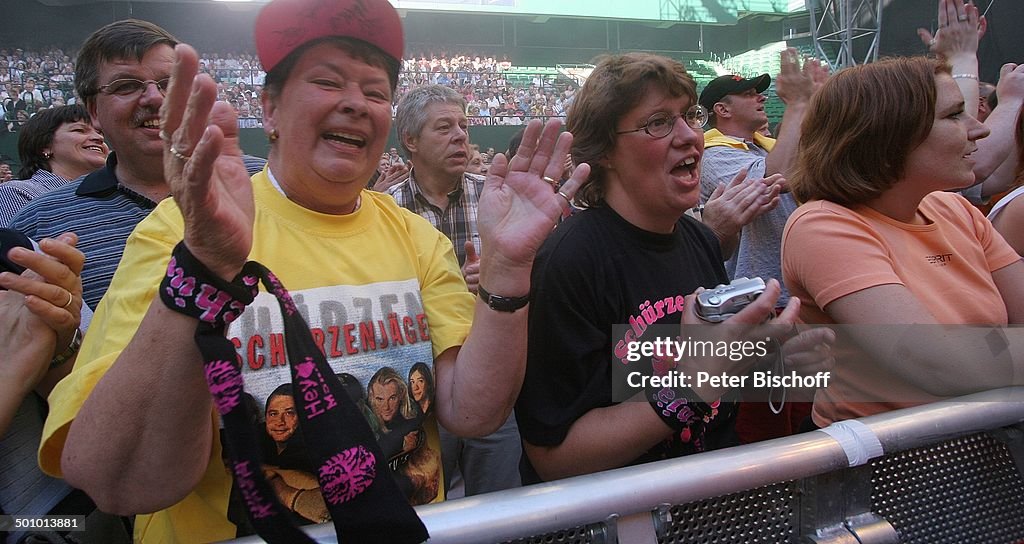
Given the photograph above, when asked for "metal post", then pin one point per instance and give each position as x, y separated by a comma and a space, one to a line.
842, 29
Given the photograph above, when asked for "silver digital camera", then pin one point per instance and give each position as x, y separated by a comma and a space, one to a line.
724, 301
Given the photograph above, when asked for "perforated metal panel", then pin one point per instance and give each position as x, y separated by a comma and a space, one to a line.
764, 515
966, 490
962, 491
576, 535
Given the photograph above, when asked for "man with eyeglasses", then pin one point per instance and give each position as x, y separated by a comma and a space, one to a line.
121, 75
736, 106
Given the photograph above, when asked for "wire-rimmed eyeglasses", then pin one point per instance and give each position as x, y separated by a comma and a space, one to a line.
133, 87
660, 124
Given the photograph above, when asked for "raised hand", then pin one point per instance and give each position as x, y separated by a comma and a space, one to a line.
960, 28
1011, 83
471, 268
795, 83
203, 167
518, 208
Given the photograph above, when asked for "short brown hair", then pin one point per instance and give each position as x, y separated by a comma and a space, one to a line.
120, 40
860, 128
617, 84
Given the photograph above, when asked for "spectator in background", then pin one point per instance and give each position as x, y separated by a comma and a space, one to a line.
433, 130
961, 27
32, 96
388, 174
6, 174
17, 121
14, 101
395, 157
736, 153
56, 146
477, 77
53, 92
985, 90
1007, 216
476, 161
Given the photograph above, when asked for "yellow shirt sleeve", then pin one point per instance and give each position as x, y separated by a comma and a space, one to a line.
131, 291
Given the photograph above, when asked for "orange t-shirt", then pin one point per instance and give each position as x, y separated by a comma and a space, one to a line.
830, 251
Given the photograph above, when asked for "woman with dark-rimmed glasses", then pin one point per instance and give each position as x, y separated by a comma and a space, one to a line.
631, 257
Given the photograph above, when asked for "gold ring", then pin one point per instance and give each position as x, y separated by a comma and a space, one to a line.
549, 180
565, 196
179, 155
71, 298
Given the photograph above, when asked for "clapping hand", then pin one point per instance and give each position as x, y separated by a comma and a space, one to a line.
39, 309
395, 174
733, 205
961, 27
518, 208
796, 83
203, 166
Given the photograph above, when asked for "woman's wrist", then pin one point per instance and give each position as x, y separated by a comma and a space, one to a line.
963, 62
69, 351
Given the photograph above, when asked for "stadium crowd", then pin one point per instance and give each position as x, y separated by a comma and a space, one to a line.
31, 80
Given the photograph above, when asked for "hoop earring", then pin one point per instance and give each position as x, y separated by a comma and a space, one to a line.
273, 136
47, 155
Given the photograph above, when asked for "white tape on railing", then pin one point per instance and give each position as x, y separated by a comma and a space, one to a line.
857, 440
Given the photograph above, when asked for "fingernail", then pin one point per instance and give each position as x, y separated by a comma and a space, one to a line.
206, 136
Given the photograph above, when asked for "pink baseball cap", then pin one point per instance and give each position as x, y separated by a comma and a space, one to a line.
284, 25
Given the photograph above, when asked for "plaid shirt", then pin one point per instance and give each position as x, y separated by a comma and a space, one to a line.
457, 221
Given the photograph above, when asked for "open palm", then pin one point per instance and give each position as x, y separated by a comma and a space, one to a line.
518, 209
203, 166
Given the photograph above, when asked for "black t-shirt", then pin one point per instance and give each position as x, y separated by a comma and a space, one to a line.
594, 271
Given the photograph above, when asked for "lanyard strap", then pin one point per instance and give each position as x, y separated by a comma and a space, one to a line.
357, 485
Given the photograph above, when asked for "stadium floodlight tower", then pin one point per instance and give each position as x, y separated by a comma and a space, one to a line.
846, 32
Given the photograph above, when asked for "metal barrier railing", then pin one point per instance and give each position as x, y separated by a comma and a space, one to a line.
634, 504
